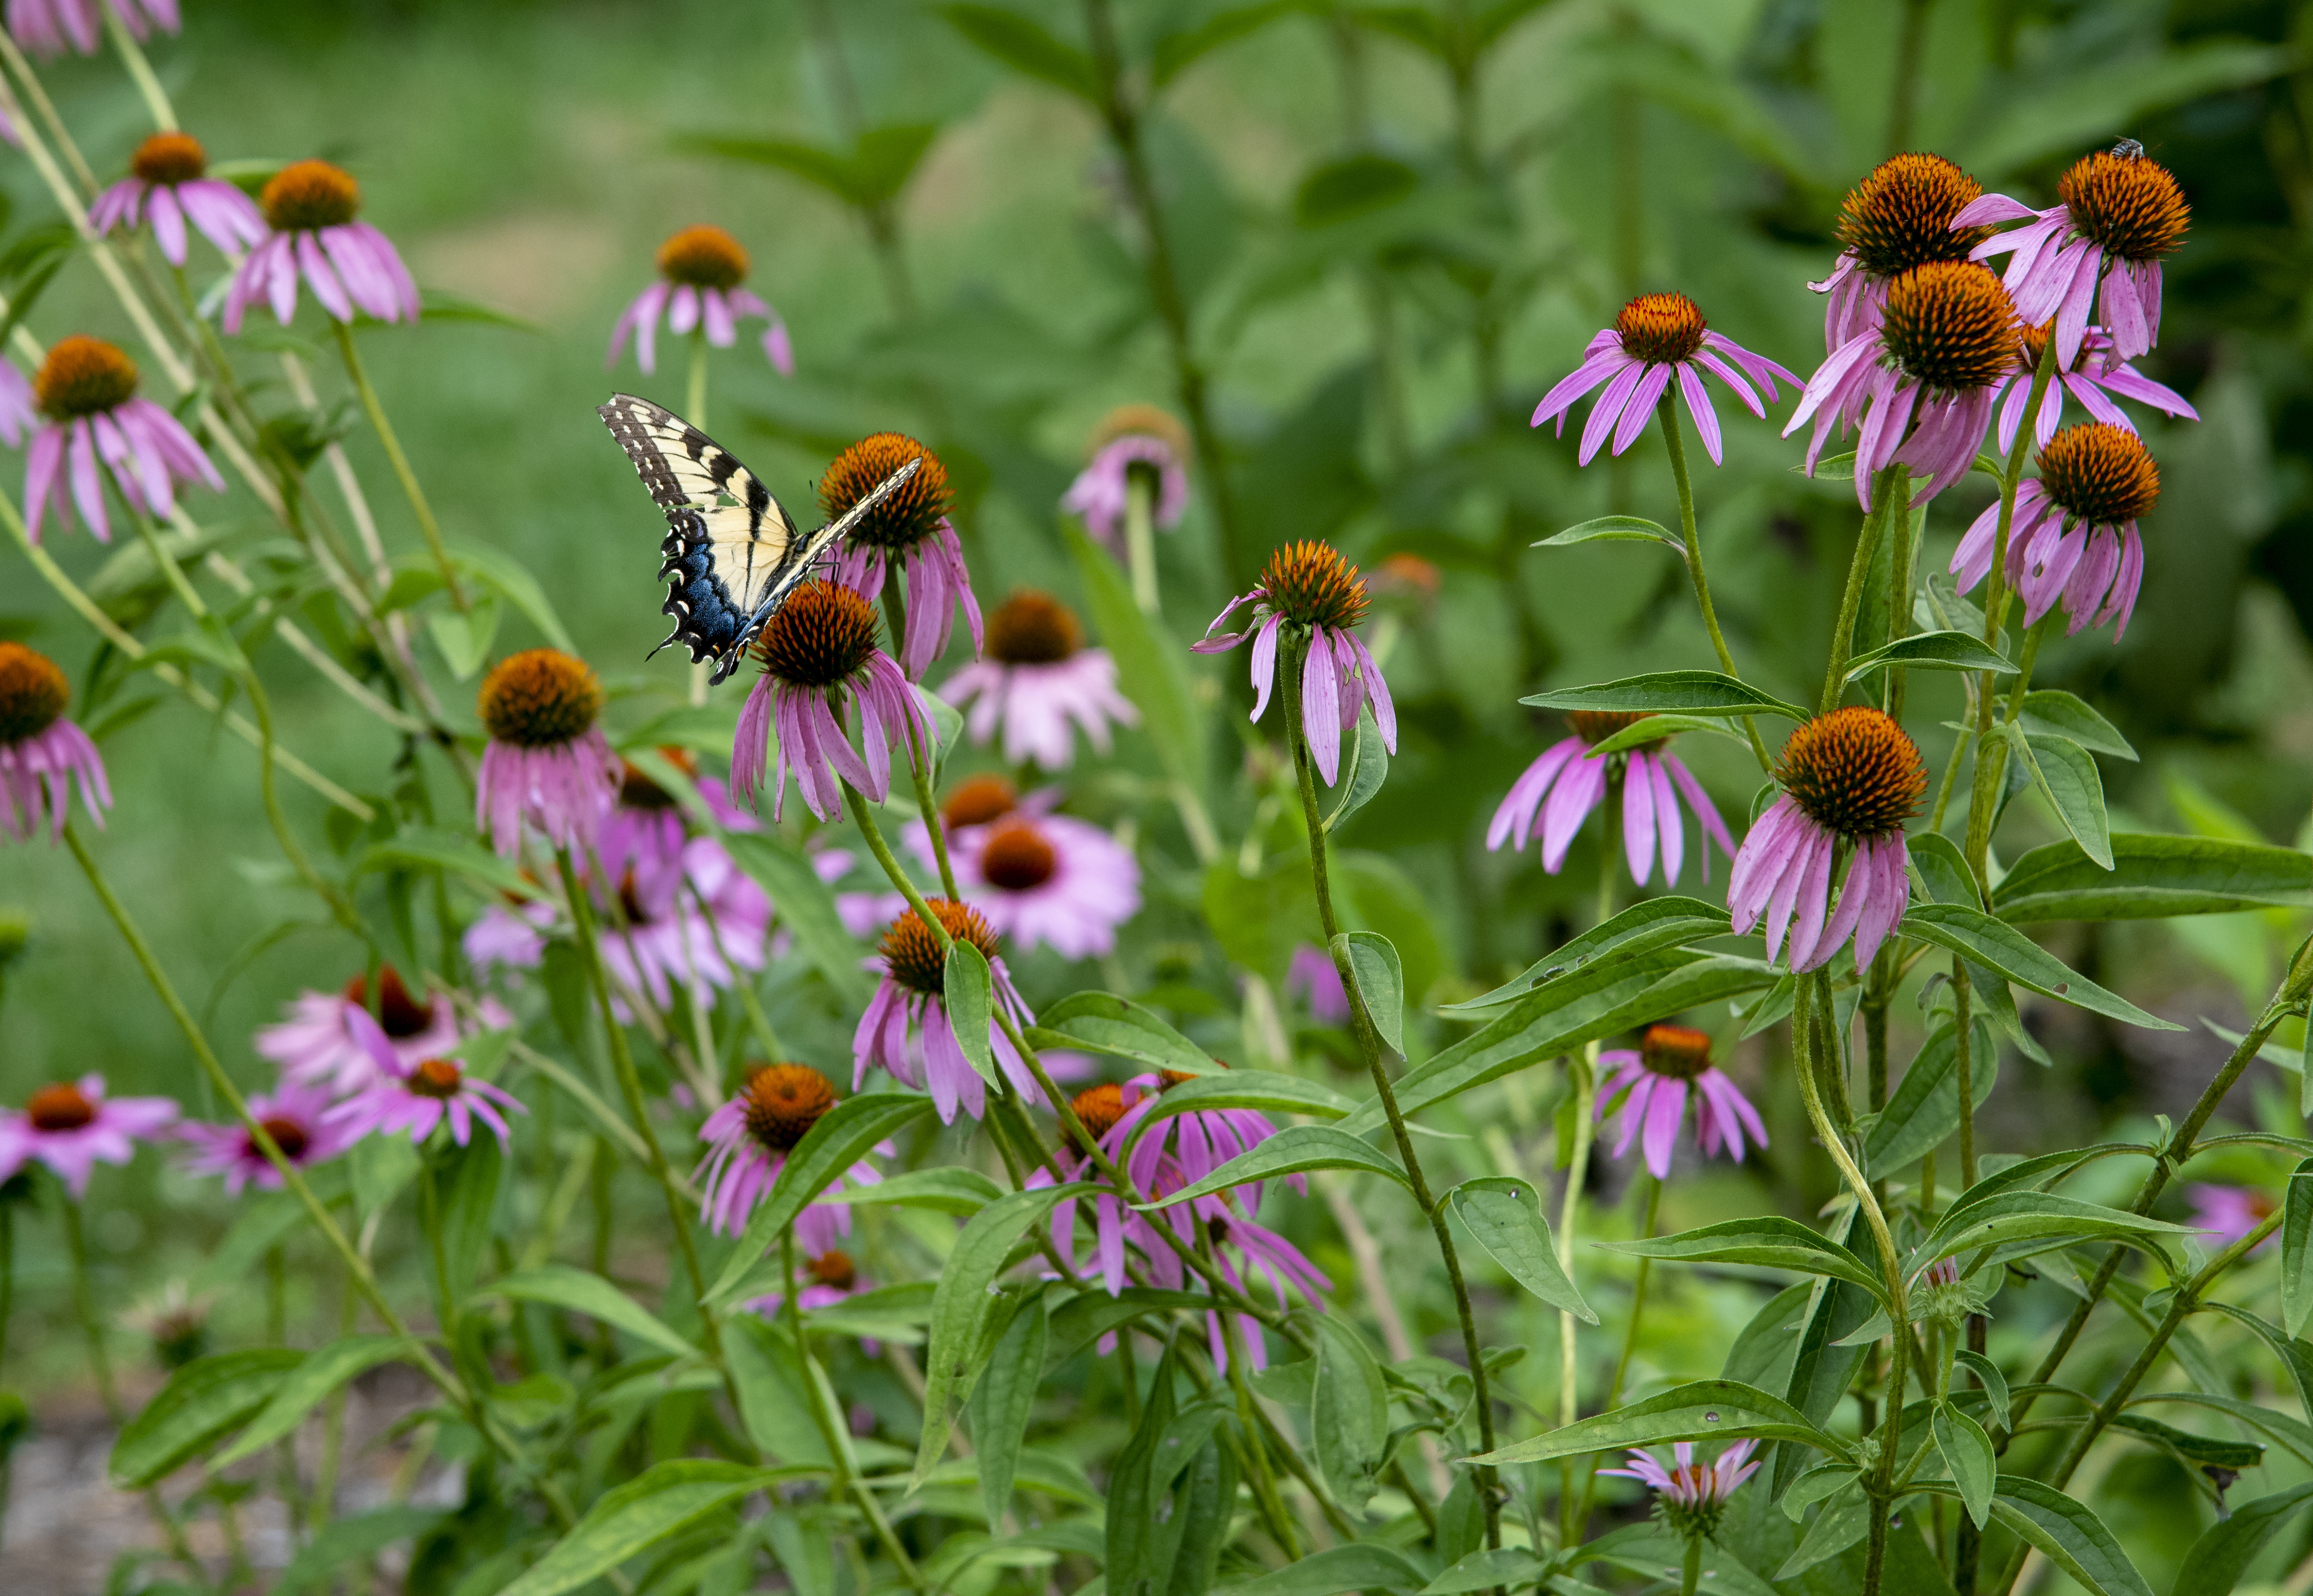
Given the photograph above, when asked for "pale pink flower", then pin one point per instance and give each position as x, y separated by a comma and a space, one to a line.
1696, 1493
1656, 337
1652, 1083
701, 269
99, 425
2074, 536
412, 1099
1049, 879
748, 1138
906, 1029
1037, 678
1134, 439
47, 28
319, 1045
1574, 781
548, 766
292, 1115
41, 753
1313, 973
350, 265
168, 186
72, 1126
2096, 375
2230, 1212
821, 668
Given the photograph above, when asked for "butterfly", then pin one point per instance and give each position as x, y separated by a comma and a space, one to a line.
733, 554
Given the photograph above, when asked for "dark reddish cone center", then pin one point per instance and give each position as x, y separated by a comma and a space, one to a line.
1660, 329
914, 510
59, 1108
1593, 726
33, 692
82, 376
834, 1268
1678, 1051
1098, 1108
1018, 857
784, 1101
979, 799
2100, 474
2129, 205
824, 634
288, 1136
437, 1078
638, 789
541, 698
307, 195
1950, 324
1854, 772
169, 158
704, 256
1145, 421
1900, 217
916, 961
1031, 627
399, 1014
1312, 585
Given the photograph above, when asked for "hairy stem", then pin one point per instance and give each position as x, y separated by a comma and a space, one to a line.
1668, 414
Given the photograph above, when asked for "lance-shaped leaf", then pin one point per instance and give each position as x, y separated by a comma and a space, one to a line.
1769, 1241
1508, 1567
341, 1541
806, 909
1365, 769
2297, 1249
1654, 728
2152, 877
2069, 1534
1381, 982
1643, 927
323, 1370
2218, 1560
561, 1285
970, 995
841, 1138
950, 1189
1616, 529
1924, 1110
1704, 1410
2066, 776
1506, 1218
1001, 1401
1349, 1414
2195, 1451
1932, 650
2292, 1433
1360, 1566
1995, 1383
1295, 1150
1084, 1318
1025, 46
1266, 1090
1845, 1520
1983, 940
2014, 1216
1969, 1458
664, 1500
1099, 1022
202, 1400
2051, 712
1670, 692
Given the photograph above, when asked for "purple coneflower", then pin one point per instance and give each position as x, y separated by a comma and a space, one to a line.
415, 1098
548, 765
1038, 677
1309, 586
1850, 779
292, 1115
1133, 440
694, 926
699, 271
311, 207
1099, 1108
2075, 533
1691, 1497
1242, 1250
41, 753
821, 667
749, 1139
2094, 376
2095, 253
87, 388
1049, 879
647, 829
508, 936
906, 1028
1652, 1083
1920, 382
73, 1127
1575, 781
830, 1276
908, 534
20, 405
1657, 337
168, 186
2231, 1212
1313, 974
319, 1044
1196, 1142
1898, 217
47, 28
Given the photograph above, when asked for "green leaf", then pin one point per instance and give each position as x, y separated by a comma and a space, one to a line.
2297, 1249
341, 1541
961, 1305
2195, 1450
1349, 1413
1642, 928
1151, 666
423, 849
470, 1179
465, 637
1968, 1455
323, 1370
1025, 46
1944, 869
1510, 1566
1845, 1520
562, 1285
1655, 728
1704, 1410
1506, 1216
1365, 765
949, 1189
1381, 982
774, 1391
1084, 1318
841, 1138
1099, 1022
2152, 877
1361, 1566
1674, 692
1924, 1110
1995, 1383
1983, 940
1264, 1090
806, 907
2071, 1536
2066, 774
202, 1400
1932, 650
507, 576
970, 996
1001, 1403
1295, 1150
2051, 712
2293, 1433
1618, 529
1769, 1241
1823, 1481
2217, 1561
664, 1500
2011, 1217
1175, 52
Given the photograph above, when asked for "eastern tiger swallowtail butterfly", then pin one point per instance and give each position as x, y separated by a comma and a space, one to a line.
732, 555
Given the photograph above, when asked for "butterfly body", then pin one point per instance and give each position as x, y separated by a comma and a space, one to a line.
732, 555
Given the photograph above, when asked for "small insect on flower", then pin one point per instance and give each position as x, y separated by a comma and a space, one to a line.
1850, 779
821, 668
1656, 337
548, 766
41, 753
1574, 781
168, 185
908, 534
1037, 678
748, 1138
1897, 217
72, 1126
1132, 443
98, 426
1311, 588
699, 273
906, 1029
314, 209
2074, 536
1652, 1083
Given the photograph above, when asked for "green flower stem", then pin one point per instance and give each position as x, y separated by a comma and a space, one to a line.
1652, 1186
919, 769
426, 525
100, 1363
1899, 583
1370, 1044
1815, 988
1850, 600
1963, 1048
170, 571
132, 55
1257, 1450
1583, 1075
1140, 536
757, 1021
1668, 414
1690, 1573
